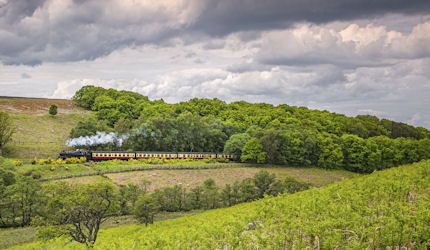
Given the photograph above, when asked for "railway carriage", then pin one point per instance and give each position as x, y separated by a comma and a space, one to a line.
122, 155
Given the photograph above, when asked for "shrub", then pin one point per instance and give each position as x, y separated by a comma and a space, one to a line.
36, 175
60, 161
53, 109
17, 163
75, 160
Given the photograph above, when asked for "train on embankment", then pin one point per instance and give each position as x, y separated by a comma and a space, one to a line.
124, 155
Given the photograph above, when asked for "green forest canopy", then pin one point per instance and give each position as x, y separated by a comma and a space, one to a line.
260, 132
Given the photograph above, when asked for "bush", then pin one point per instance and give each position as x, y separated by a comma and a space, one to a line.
33, 173
75, 160
17, 163
45, 161
53, 109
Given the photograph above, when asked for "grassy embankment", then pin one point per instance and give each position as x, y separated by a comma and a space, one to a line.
389, 208
40, 136
37, 133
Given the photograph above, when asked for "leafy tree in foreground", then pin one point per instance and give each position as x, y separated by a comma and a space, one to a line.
263, 182
77, 211
6, 129
145, 209
53, 109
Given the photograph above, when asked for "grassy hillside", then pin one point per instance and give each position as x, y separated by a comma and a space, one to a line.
40, 136
387, 208
37, 133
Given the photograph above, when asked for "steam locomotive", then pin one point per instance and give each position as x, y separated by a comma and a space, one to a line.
121, 155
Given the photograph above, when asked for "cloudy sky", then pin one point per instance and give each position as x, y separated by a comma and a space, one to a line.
352, 57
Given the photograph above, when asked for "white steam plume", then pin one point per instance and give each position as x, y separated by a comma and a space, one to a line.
98, 139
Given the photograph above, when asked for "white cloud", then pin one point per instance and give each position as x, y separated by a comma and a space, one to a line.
352, 46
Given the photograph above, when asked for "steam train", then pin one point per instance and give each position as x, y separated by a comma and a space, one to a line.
121, 155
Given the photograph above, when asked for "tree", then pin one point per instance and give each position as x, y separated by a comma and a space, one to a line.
123, 126
292, 185
247, 190
263, 181
89, 126
235, 144
210, 194
53, 109
77, 211
331, 156
253, 151
26, 198
273, 142
145, 209
128, 195
6, 129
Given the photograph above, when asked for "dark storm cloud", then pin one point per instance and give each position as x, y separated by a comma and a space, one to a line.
223, 17
13, 11
36, 31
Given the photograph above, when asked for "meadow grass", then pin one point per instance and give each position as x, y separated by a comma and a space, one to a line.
40, 136
388, 209
18, 236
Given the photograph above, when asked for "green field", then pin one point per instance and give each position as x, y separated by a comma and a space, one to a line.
389, 208
40, 136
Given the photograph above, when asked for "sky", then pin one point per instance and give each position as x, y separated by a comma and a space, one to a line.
352, 57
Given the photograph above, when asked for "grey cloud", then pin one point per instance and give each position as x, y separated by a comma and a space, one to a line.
223, 17
39, 31
214, 44
15, 10
349, 48
25, 76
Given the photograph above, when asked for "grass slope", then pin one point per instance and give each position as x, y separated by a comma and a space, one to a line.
387, 208
40, 136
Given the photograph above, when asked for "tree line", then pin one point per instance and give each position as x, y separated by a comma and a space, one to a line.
260, 133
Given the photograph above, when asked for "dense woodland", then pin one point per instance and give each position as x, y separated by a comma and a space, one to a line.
259, 133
